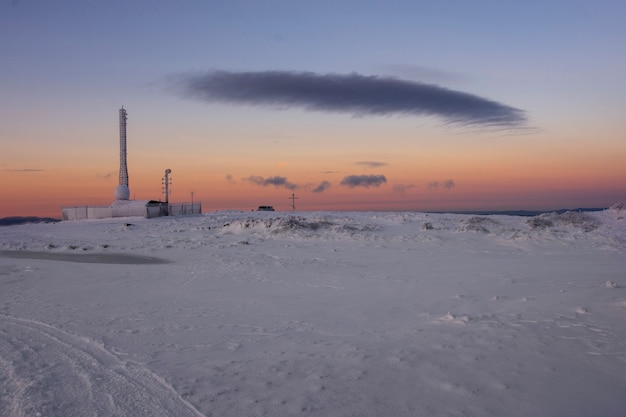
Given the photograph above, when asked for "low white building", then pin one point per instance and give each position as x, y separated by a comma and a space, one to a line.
119, 208
131, 208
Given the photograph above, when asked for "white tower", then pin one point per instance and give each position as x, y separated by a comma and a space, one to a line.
122, 192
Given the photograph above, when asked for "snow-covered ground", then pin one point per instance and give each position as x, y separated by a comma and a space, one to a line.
315, 314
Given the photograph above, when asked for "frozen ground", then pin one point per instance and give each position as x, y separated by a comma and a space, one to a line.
315, 314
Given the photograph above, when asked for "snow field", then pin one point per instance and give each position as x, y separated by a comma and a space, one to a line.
315, 314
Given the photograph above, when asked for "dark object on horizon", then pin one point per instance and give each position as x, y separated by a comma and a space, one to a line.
10, 221
265, 208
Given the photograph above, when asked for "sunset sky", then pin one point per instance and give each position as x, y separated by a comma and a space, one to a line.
351, 105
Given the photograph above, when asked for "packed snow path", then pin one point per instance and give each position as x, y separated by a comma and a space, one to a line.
315, 314
48, 372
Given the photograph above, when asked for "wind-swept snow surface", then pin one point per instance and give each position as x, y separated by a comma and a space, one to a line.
315, 314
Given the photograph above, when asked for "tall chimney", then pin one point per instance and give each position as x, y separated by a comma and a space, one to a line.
122, 192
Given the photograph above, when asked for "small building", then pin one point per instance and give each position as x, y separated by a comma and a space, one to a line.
119, 208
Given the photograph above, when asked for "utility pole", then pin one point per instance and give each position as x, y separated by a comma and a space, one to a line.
293, 199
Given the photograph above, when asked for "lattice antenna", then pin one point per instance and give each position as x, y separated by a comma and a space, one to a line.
122, 192
123, 153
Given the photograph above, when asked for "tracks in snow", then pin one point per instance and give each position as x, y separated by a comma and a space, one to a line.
49, 372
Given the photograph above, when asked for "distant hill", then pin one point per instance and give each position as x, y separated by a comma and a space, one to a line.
10, 221
529, 213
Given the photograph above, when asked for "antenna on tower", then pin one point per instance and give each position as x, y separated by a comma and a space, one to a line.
293, 199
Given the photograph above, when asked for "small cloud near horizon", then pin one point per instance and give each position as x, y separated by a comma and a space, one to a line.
366, 181
447, 184
323, 186
105, 176
401, 188
24, 170
371, 164
276, 181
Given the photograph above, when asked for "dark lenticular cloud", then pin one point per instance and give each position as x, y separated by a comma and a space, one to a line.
363, 181
353, 93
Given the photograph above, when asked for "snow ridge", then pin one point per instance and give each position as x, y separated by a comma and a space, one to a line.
115, 236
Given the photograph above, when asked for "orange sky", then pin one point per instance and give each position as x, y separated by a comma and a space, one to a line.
527, 175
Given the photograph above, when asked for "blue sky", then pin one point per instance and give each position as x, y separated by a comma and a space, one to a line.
119, 44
